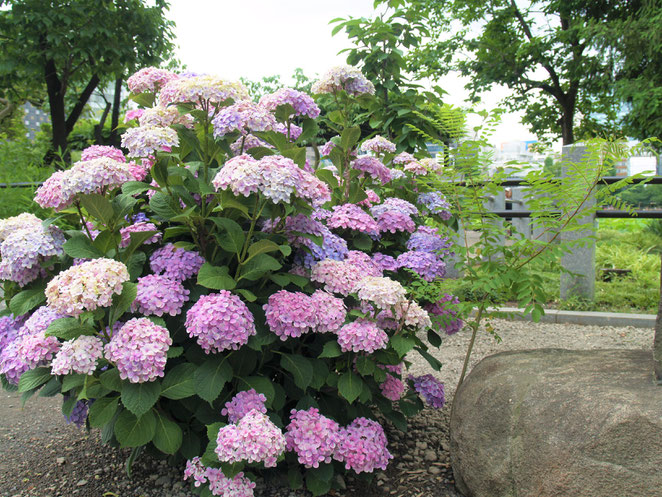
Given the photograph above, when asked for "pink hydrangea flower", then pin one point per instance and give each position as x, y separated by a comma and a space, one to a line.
394, 221
347, 78
244, 117
125, 233
86, 287
351, 216
373, 167
78, 356
253, 439
364, 262
220, 321
96, 151
302, 103
243, 144
237, 486
290, 314
163, 116
159, 295
202, 88
330, 311
149, 79
403, 158
336, 276
146, 140
394, 204
243, 403
37, 349
378, 144
139, 350
361, 336
373, 198
175, 263
197, 470
362, 446
312, 436
11, 365
392, 387
133, 114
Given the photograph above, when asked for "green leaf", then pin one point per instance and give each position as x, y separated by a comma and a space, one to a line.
365, 365
135, 187
328, 177
261, 247
174, 352
315, 484
23, 302
123, 301
297, 154
135, 265
144, 99
215, 277
234, 241
98, 207
350, 137
71, 381
163, 207
211, 376
80, 247
300, 367
33, 378
68, 329
168, 434
102, 411
294, 478
106, 241
140, 397
179, 382
432, 361
247, 294
350, 386
258, 266
331, 349
51, 389
363, 242
136, 240
402, 345
111, 380
134, 432
434, 338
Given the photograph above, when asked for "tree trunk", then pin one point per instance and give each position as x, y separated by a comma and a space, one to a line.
98, 129
657, 341
115, 119
58, 121
567, 132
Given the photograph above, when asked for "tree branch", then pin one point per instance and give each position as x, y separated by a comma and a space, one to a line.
80, 104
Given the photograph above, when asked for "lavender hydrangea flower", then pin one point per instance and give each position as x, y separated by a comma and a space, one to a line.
302, 103
312, 436
96, 151
220, 321
373, 167
149, 79
431, 389
351, 216
243, 403
362, 446
201, 89
426, 239
175, 263
78, 414
146, 140
159, 295
446, 314
435, 203
244, 117
426, 264
378, 144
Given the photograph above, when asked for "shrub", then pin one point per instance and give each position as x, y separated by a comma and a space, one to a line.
222, 300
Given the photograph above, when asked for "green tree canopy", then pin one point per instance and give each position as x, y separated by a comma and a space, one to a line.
69, 47
547, 52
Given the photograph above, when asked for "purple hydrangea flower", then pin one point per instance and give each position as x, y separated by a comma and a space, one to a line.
430, 388
175, 263
426, 264
243, 403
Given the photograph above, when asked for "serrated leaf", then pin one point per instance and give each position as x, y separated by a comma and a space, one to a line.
215, 277
71, 381
350, 137
331, 349
167, 435
122, 302
51, 389
162, 206
111, 380
102, 411
23, 302
259, 266
80, 247
365, 366
140, 397
350, 386
135, 187
261, 247
402, 345
233, 242
211, 376
179, 382
300, 367
33, 378
98, 207
134, 432
68, 329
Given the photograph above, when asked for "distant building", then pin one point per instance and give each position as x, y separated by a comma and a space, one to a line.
33, 119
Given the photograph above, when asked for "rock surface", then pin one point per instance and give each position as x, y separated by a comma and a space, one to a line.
559, 423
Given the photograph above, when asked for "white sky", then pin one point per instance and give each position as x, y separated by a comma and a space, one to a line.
256, 38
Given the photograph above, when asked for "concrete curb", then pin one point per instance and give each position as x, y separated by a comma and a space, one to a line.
584, 317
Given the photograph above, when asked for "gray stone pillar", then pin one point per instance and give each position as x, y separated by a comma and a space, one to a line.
521, 225
451, 260
498, 203
581, 260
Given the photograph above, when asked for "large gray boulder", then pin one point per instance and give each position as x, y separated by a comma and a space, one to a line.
559, 423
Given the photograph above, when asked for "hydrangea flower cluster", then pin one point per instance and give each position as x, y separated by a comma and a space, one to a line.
446, 314
246, 142
362, 446
139, 350
430, 388
11, 365
90, 176
347, 78
86, 287
378, 144
290, 314
336, 276
244, 117
392, 387
149, 79
33, 346
403, 158
372, 198
312, 436
412, 314
24, 245
426, 239
364, 262
385, 262
97, 151
220, 321
175, 263
435, 203
159, 295
201, 89
133, 114
79, 355
373, 167
427, 265
219, 484
146, 140
163, 116
78, 414
351, 216
330, 311
381, 291
253, 439
274, 176
125, 233
361, 336
302, 103
243, 403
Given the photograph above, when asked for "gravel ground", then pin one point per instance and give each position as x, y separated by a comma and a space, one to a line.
43, 457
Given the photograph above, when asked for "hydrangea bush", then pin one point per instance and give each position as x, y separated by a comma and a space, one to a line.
213, 297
